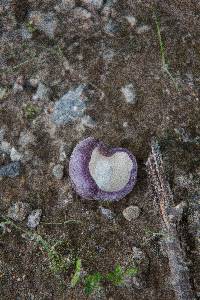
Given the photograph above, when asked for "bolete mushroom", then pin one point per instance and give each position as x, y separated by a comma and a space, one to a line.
102, 173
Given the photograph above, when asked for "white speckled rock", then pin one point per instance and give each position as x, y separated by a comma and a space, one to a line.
131, 213
34, 218
58, 171
18, 211
70, 107
106, 212
15, 155
129, 93
131, 20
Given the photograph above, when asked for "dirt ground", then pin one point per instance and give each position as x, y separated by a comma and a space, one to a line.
62, 44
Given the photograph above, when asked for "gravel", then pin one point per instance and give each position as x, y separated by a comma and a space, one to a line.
42, 93
15, 155
70, 107
106, 213
19, 211
129, 93
131, 213
34, 218
58, 171
131, 20
10, 170
112, 27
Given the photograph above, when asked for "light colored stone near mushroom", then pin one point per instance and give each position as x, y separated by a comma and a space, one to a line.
131, 213
18, 211
129, 93
58, 171
34, 218
106, 212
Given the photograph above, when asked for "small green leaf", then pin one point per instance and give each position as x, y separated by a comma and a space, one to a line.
131, 271
76, 277
117, 276
92, 282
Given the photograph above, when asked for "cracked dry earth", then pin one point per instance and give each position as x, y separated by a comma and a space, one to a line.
72, 69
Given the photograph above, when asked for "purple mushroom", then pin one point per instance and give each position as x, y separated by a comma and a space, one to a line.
102, 173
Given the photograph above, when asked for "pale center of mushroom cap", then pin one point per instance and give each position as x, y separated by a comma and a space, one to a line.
112, 173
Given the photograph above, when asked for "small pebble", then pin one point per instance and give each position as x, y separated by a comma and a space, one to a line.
5, 147
81, 13
111, 27
129, 93
25, 138
18, 85
15, 155
58, 171
34, 82
143, 29
131, 20
70, 107
34, 218
18, 211
3, 92
106, 213
131, 213
10, 170
42, 93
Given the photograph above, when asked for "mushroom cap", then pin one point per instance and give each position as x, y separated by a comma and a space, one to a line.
83, 176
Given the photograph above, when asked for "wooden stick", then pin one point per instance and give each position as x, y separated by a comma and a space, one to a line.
170, 216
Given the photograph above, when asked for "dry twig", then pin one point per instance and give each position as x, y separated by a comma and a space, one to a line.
170, 216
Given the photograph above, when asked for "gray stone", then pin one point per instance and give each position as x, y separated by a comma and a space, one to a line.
70, 107
81, 13
131, 213
25, 33
15, 155
19, 211
58, 171
138, 254
143, 29
17, 88
129, 93
111, 27
10, 170
34, 218
5, 147
42, 93
25, 138
131, 20
106, 213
